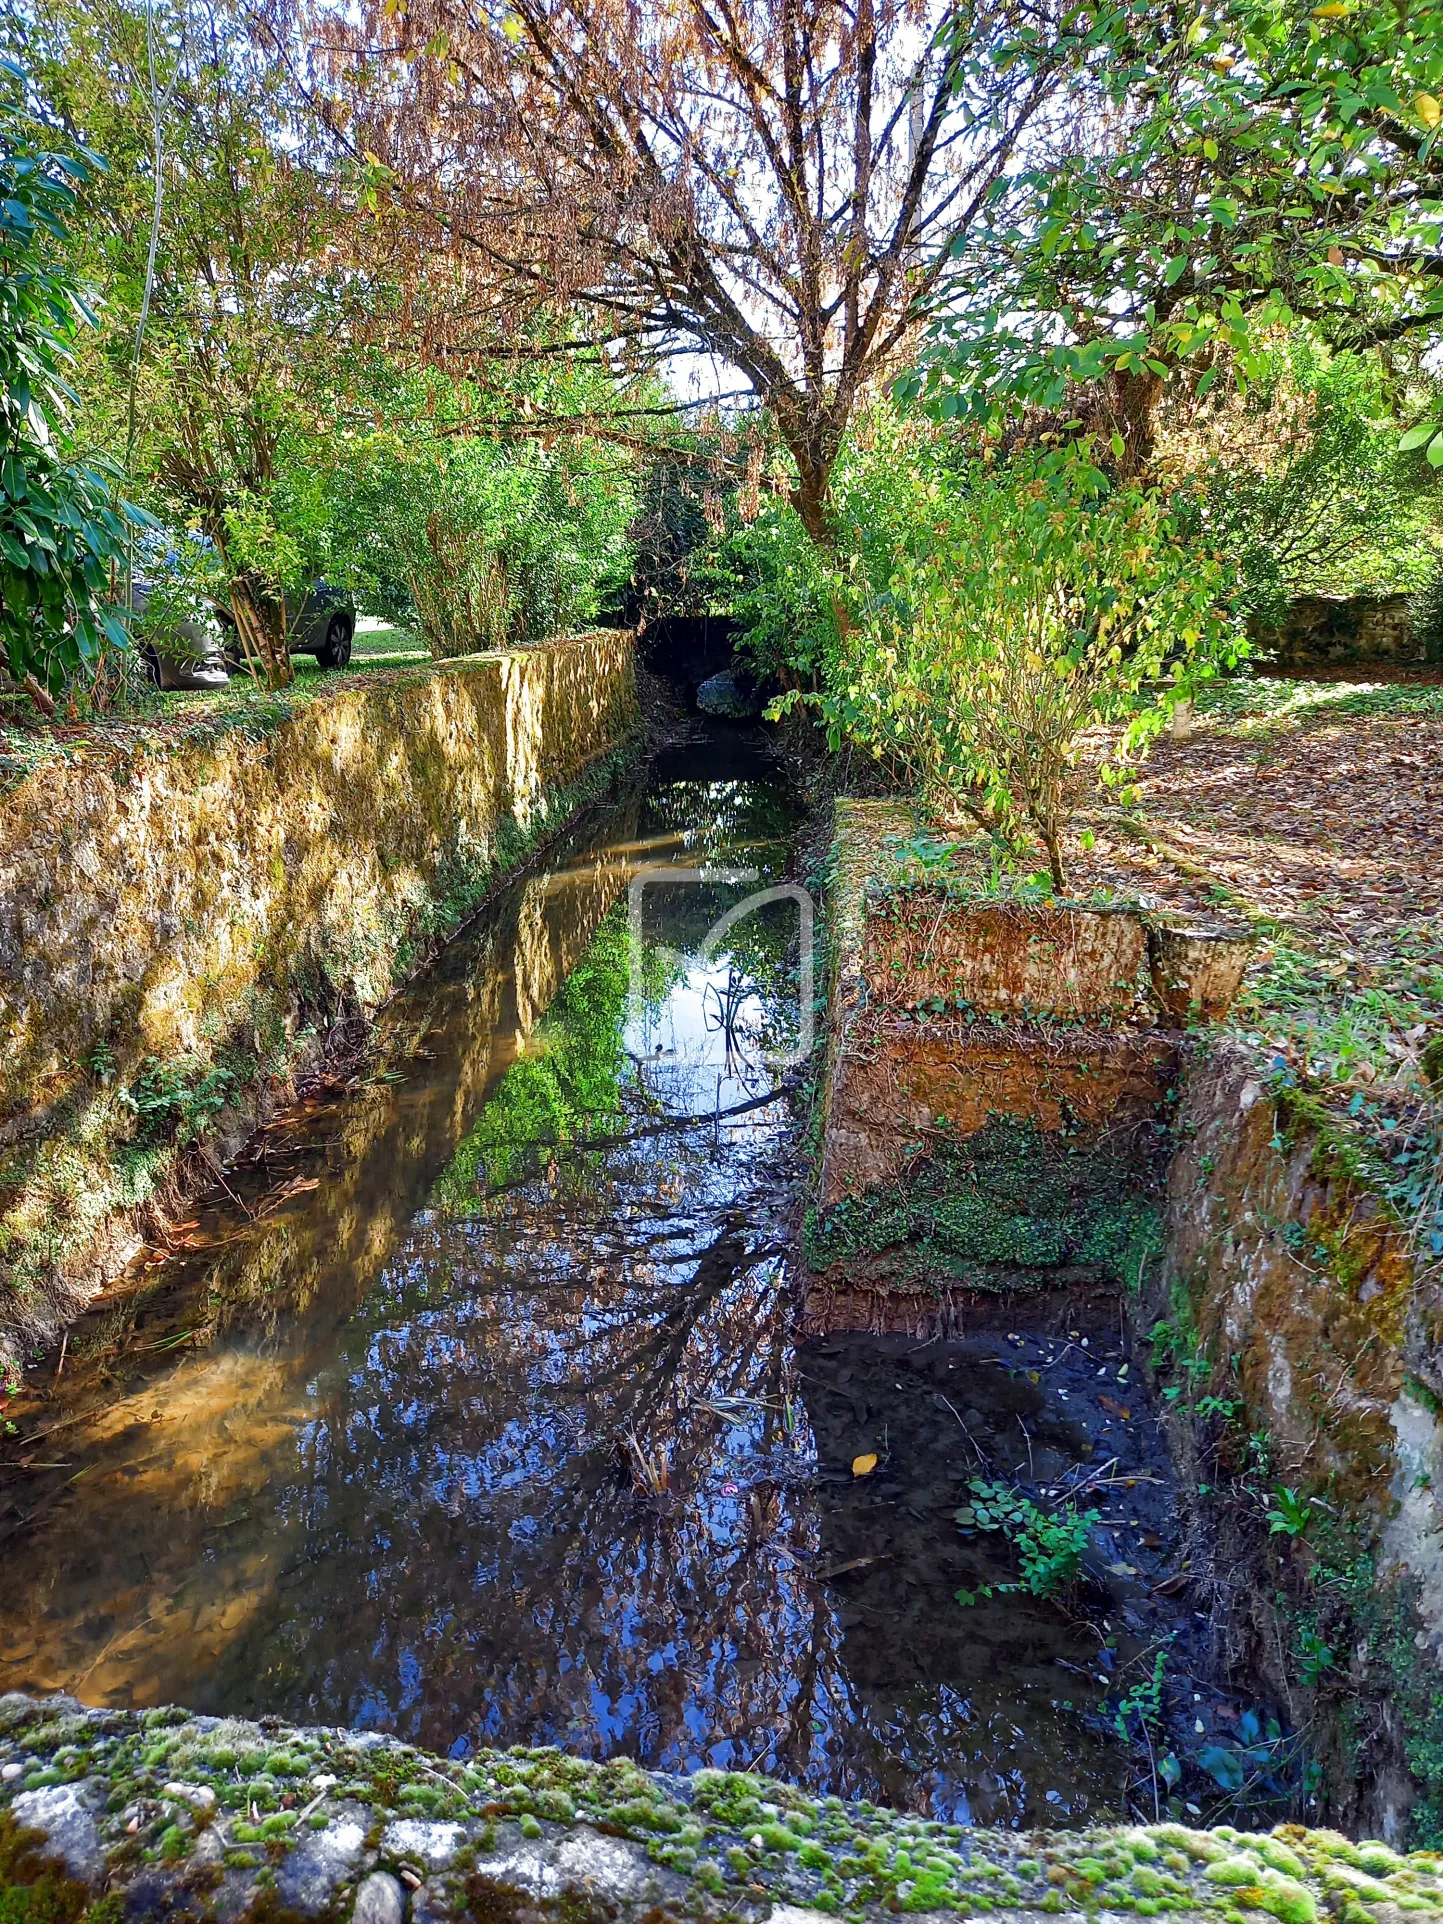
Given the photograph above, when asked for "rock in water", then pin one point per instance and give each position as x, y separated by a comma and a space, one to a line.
730, 695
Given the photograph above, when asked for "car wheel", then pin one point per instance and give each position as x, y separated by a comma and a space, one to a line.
335, 650
150, 660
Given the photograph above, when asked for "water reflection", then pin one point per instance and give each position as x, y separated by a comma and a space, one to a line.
484, 1421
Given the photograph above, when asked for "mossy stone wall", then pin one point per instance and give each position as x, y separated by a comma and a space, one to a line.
110, 1815
1291, 1297
178, 923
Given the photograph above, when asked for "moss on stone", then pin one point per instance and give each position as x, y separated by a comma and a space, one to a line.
733, 1835
1009, 1201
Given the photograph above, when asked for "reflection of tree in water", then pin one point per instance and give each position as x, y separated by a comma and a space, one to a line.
572, 1091
507, 1580
731, 823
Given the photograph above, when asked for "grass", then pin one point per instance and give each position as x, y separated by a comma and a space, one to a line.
1248, 707
1309, 807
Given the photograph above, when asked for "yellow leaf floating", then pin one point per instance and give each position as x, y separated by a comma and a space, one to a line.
1429, 111
863, 1465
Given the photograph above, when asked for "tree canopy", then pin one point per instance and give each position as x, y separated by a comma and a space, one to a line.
1255, 163
777, 183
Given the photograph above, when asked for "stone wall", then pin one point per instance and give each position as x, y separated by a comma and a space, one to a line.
998, 1070
180, 923
108, 1815
1293, 1284
1338, 630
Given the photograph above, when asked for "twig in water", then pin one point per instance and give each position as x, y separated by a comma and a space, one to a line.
651, 1471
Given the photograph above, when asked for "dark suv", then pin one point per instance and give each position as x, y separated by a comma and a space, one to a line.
322, 624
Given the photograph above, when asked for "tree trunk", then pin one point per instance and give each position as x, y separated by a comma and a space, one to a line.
261, 624
811, 498
1132, 400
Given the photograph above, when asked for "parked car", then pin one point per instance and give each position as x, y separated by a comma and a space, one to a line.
322, 623
193, 641
192, 651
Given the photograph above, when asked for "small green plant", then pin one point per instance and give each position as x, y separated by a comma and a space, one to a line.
176, 1100
1142, 1706
1315, 1657
1290, 1513
1224, 1406
1050, 1543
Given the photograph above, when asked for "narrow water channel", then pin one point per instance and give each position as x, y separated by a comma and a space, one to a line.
433, 1426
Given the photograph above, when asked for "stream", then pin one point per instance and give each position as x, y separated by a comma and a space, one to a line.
470, 1407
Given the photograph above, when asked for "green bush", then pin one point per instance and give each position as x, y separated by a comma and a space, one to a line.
785, 592
481, 542
1302, 482
1032, 603
1427, 617
62, 534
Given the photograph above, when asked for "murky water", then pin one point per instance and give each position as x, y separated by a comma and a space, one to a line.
471, 1409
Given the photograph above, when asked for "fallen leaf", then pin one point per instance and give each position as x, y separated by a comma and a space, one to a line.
863, 1465
842, 1569
1118, 1409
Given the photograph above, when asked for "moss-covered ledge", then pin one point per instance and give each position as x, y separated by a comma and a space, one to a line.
183, 924
108, 1815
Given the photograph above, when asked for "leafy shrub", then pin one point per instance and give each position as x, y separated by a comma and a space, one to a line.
1302, 481
481, 543
1426, 612
785, 592
62, 535
177, 1101
1039, 603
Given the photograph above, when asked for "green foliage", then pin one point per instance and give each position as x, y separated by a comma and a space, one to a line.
454, 513
1141, 1707
1290, 1514
1007, 1202
1032, 604
62, 535
1269, 161
177, 1101
1303, 484
1426, 614
483, 543
1050, 1543
891, 473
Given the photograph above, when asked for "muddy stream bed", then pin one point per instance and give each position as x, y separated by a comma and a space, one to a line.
426, 1425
